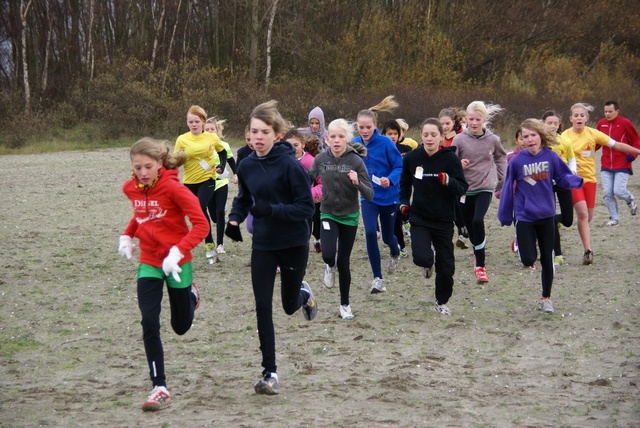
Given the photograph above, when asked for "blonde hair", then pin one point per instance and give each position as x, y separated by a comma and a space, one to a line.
269, 114
404, 126
388, 105
158, 151
546, 139
347, 127
219, 125
587, 108
487, 111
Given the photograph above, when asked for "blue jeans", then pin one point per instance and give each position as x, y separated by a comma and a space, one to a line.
370, 213
615, 184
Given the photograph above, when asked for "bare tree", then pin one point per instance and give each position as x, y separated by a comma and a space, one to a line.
269, 31
24, 10
159, 30
253, 41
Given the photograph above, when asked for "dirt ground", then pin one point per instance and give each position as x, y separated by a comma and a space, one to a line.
71, 351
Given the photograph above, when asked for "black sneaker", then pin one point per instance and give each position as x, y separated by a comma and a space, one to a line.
309, 309
267, 386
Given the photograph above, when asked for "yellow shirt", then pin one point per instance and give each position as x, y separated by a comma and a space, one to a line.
584, 148
199, 150
564, 149
410, 142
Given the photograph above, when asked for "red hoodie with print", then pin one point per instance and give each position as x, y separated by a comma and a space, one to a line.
159, 218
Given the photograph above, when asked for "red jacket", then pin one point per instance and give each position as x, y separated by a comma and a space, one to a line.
158, 218
622, 130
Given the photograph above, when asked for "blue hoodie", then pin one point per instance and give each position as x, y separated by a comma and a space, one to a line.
383, 160
527, 194
279, 179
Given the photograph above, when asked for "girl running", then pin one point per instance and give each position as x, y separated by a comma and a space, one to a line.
274, 188
298, 141
218, 201
160, 204
384, 164
584, 140
482, 156
200, 168
344, 175
436, 179
452, 126
528, 200
564, 149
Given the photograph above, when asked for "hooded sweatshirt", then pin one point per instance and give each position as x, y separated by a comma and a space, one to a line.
158, 218
432, 201
482, 152
531, 180
383, 160
279, 179
339, 195
321, 134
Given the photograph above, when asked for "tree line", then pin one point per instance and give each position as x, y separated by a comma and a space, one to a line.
59, 52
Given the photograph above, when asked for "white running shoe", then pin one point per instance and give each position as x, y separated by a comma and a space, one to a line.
633, 207
392, 263
442, 309
220, 249
546, 305
330, 276
208, 250
345, 312
377, 286
611, 223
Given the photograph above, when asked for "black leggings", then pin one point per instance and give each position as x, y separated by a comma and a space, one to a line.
542, 231
473, 211
440, 236
339, 238
292, 262
565, 217
182, 302
204, 192
216, 207
397, 229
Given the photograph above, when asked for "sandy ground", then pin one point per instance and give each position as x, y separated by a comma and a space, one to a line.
71, 351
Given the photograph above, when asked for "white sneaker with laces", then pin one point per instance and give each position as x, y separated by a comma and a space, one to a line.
546, 305
633, 207
377, 286
345, 312
330, 276
442, 309
611, 223
220, 249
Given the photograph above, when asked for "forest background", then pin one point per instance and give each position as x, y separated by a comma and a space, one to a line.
90, 73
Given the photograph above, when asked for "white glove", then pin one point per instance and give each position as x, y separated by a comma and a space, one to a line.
127, 247
170, 263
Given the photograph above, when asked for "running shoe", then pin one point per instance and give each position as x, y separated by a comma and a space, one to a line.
330, 276
442, 309
196, 293
633, 207
558, 260
427, 272
392, 263
269, 385
587, 259
406, 229
546, 305
345, 312
309, 308
514, 245
533, 267
158, 399
461, 242
208, 250
481, 274
404, 253
318, 246
611, 223
220, 249
377, 286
